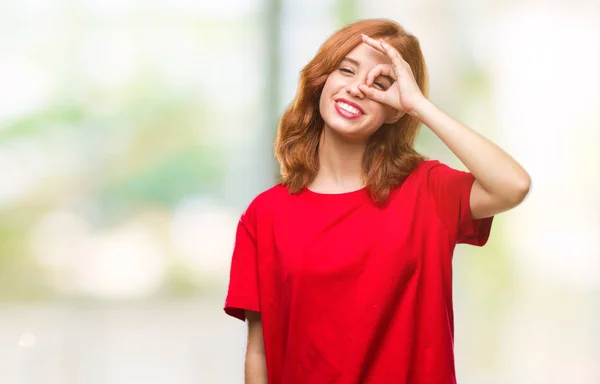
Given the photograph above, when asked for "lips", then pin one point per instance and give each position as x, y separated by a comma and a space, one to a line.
350, 103
348, 109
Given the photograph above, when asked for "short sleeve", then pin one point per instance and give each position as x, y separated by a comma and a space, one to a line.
242, 292
450, 190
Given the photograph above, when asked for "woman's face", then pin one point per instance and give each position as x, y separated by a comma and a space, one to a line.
344, 108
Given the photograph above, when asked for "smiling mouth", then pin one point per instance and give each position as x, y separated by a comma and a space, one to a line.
348, 109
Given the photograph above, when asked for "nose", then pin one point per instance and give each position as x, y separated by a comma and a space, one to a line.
353, 90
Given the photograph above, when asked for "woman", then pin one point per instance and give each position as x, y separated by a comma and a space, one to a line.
344, 269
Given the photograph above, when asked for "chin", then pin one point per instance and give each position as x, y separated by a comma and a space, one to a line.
354, 130
348, 132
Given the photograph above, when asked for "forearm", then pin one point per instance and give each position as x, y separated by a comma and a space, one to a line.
495, 170
255, 368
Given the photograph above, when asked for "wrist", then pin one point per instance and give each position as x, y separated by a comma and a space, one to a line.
421, 108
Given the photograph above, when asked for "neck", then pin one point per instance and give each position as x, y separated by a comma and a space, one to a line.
340, 164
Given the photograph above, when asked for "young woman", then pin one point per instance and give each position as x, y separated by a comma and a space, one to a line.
343, 270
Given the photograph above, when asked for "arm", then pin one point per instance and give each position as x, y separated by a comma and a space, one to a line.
255, 368
501, 182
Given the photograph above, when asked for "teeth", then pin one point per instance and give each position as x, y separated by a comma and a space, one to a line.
348, 108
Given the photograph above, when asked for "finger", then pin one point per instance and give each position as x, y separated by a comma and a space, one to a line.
393, 53
373, 94
380, 70
372, 43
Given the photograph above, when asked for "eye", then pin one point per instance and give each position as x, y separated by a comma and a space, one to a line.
346, 70
379, 85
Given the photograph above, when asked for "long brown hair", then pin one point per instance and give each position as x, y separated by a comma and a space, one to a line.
389, 155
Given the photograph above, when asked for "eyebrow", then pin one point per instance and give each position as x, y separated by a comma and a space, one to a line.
357, 63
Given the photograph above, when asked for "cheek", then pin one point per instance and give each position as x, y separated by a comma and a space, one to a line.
380, 113
322, 101
329, 86
328, 91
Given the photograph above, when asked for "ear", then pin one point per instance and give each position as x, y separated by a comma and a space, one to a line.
394, 117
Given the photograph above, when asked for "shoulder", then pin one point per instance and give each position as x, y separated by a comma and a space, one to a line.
270, 197
427, 165
425, 174
442, 182
433, 169
422, 171
265, 201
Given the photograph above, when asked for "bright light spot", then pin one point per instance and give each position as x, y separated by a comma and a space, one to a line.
126, 262
27, 340
204, 234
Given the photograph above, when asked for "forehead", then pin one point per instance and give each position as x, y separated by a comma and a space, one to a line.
368, 56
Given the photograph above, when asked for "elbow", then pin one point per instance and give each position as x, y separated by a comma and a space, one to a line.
520, 190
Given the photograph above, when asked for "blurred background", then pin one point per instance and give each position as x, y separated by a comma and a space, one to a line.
134, 133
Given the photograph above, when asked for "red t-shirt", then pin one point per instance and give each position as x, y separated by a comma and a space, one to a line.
350, 293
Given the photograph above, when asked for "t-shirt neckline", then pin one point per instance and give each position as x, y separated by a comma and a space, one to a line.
356, 194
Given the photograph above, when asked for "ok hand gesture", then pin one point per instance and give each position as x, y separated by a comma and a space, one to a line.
404, 95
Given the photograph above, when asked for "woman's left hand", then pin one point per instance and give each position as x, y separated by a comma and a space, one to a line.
404, 95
